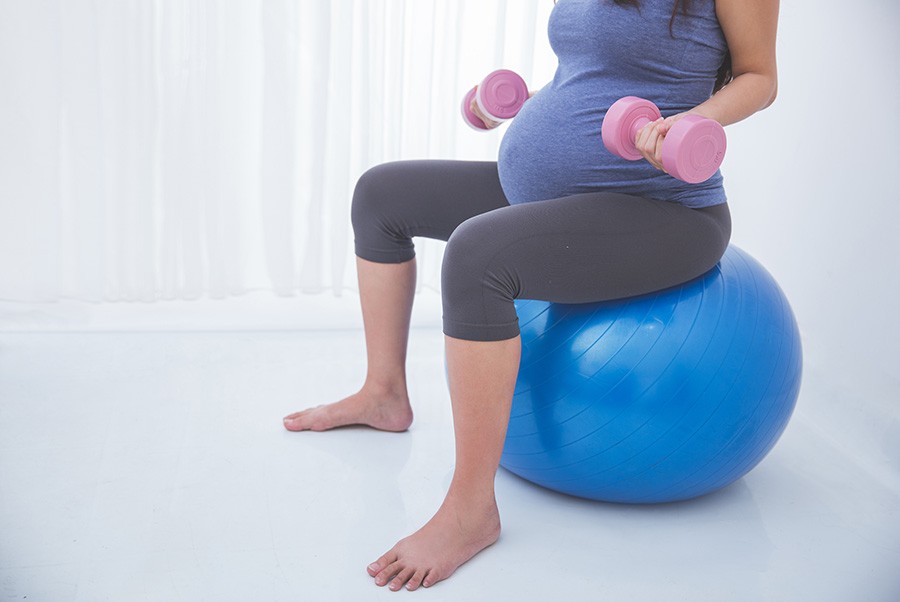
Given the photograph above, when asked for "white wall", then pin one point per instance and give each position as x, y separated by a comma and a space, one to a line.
181, 149
813, 190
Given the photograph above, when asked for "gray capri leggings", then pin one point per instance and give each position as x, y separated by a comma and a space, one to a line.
582, 248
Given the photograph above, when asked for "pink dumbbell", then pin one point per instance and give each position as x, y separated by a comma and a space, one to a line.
692, 150
499, 96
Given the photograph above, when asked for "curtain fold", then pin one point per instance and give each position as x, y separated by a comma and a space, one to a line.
178, 149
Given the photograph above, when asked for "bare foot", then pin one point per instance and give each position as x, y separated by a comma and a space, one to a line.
431, 554
383, 411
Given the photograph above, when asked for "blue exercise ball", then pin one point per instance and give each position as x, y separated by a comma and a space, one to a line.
656, 398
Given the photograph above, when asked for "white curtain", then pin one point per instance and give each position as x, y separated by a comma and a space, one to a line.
182, 149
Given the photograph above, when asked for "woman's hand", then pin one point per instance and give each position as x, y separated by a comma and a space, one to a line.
488, 122
649, 139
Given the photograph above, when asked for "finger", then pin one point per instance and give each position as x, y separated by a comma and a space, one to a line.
648, 141
488, 122
644, 135
670, 121
657, 153
475, 108
667, 123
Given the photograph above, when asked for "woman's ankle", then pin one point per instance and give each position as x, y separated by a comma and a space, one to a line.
477, 502
387, 390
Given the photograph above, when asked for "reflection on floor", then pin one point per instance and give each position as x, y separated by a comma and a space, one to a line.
153, 466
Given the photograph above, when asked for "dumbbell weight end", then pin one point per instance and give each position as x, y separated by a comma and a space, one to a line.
499, 96
694, 148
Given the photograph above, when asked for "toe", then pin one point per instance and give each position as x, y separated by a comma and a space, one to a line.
295, 424
431, 577
382, 562
304, 420
296, 415
416, 580
385, 574
401, 578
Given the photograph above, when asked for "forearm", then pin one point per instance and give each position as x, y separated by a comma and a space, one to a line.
750, 27
742, 97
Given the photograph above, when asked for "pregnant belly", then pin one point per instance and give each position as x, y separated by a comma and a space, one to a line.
551, 149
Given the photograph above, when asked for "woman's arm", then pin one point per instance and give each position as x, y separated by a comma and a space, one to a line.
749, 27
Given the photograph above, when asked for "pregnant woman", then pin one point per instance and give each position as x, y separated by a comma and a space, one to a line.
557, 218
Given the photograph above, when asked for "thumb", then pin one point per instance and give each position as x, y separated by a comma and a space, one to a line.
668, 122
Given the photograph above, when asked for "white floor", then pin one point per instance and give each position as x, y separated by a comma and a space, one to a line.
153, 466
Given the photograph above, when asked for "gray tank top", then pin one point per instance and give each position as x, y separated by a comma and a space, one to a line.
553, 146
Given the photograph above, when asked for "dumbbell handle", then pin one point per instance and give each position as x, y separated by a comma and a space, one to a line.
637, 125
691, 151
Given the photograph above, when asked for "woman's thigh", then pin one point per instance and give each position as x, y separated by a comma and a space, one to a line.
583, 248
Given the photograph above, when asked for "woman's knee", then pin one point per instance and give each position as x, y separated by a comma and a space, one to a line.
478, 285
465, 260
377, 216
371, 196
